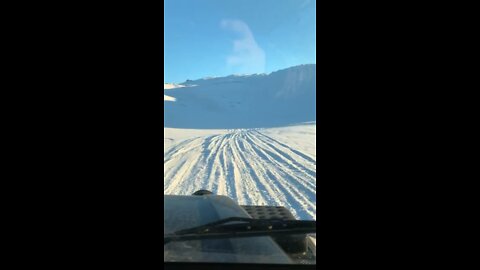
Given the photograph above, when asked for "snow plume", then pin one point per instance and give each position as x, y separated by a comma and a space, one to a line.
247, 56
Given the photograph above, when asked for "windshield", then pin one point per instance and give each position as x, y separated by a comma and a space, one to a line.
240, 122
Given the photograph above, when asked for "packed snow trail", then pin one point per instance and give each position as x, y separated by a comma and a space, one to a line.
246, 165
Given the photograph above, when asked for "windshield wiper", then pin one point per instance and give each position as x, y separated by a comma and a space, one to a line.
237, 227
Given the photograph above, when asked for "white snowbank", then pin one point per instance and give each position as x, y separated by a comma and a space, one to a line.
167, 86
168, 98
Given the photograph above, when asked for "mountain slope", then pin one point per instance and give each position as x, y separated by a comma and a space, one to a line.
281, 98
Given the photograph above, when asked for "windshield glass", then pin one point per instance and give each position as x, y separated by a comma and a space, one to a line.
240, 122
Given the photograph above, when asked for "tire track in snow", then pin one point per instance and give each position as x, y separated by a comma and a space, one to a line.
285, 165
246, 165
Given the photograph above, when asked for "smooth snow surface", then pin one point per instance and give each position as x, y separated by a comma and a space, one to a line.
223, 134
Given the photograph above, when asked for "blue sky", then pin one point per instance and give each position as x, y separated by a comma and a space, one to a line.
206, 38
